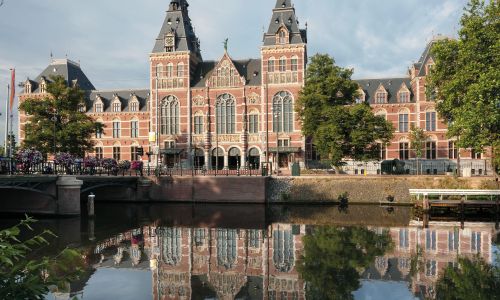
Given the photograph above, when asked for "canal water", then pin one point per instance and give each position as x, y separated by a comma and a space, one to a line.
258, 252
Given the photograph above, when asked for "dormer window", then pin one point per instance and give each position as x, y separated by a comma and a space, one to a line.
282, 36
98, 108
404, 97
27, 88
117, 105
381, 97
361, 97
134, 105
82, 108
43, 86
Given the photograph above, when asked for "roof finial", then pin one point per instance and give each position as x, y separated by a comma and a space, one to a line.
225, 44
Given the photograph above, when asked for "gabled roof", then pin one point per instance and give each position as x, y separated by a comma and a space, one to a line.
70, 70
125, 97
178, 22
250, 69
427, 55
391, 85
284, 14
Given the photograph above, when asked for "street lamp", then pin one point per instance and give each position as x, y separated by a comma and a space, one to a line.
54, 119
277, 114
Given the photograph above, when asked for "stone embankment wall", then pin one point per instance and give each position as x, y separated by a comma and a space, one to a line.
363, 189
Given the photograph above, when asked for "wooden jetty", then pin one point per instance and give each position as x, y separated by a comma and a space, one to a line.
429, 198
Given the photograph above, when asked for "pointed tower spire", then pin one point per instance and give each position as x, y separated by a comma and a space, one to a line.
284, 19
177, 32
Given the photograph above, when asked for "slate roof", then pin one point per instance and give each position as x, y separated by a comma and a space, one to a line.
125, 97
178, 21
66, 68
391, 85
249, 68
284, 14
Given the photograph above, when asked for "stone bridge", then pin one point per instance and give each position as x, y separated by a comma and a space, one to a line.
61, 195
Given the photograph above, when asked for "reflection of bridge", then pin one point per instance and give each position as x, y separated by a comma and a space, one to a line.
60, 195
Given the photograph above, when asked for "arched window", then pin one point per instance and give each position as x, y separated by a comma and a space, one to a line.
170, 70
226, 114
253, 122
283, 253
282, 36
198, 123
283, 112
171, 245
226, 247
180, 70
295, 63
159, 70
170, 115
270, 65
282, 64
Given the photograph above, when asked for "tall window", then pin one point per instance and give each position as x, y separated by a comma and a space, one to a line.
284, 252
226, 114
170, 70
116, 129
98, 133
404, 151
180, 70
475, 242
283, 112
171, 245
430, 121
253, 122
403, 122
295, 63
380, 97
404, 238
452, 150
404, 97
282, 64
159, 70
253, 236
198, 124
134, 129
453, 240
431, 150
383, 151
199, 237
170, 116
430, 268
430, 240
99, 153
133, 153
270, 65
226, 247
116, 153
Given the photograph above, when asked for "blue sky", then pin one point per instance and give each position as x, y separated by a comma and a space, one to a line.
112, 38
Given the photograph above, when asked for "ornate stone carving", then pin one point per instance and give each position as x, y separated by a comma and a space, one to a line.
198, 101
253, 138
227, 138
198, 139
253, 99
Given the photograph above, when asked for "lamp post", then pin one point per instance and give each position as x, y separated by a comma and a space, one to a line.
54, 120
277, 114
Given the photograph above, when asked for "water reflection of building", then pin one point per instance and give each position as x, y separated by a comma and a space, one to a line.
434, 248
222, 263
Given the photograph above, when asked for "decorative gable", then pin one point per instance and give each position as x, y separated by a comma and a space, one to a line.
404, 94
116, 104
98, 104
381, 94
282, 35
361, 98
225, 75
133, 105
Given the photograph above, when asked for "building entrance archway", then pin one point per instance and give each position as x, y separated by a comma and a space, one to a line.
199, 158
254, 159
217, 159
234, 161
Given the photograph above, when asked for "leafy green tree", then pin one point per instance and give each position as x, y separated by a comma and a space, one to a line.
59, 113
24, 278
417, 141
340, 128
471, 279
334, 257
466, 78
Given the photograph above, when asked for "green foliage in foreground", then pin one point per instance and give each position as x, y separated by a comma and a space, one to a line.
471, 279
339, 127
466, 78
24, 278
334, 258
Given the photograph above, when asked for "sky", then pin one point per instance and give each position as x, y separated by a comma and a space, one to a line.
113, 38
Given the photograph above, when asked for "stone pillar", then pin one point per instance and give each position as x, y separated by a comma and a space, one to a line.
244, 160
68, 196
226, 160
143, 188
208, 163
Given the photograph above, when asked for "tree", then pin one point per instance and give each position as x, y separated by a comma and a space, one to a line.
417, 141
339, 127
334, 257
55, 121
466, 79
471, 279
